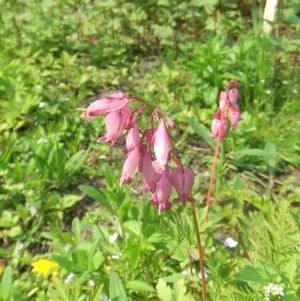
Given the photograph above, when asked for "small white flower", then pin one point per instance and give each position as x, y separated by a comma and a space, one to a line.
42, 140
230, 243
213, 249
69, 278
113, 238
20, 247
41, 105
104, 297
91, 283
32, 210
116, 256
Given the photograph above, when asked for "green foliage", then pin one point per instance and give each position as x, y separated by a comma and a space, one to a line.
59, 191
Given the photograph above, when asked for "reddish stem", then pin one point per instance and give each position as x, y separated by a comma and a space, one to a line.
213, 172
201, 253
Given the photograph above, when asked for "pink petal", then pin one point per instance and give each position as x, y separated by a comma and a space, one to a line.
233, 95
133, 137
107, 104
183, 180
130, 165
113, 122
161, 144
235, 116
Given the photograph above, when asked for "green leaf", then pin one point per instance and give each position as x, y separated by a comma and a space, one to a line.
97, 195
201, 131
179, 291
163, 291
116, 288
6, 283
70, 199
138, 285
249, 274
270, 155
251, 152
76, 229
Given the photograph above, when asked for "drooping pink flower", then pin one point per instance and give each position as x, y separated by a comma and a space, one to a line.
216, 124
219, 125
133, 137
183, 180
130, 164
224, 126
151, 177
235, 116
113, 123
127, 118
233, 95
161, 146
162, 193
222, 100
106, 105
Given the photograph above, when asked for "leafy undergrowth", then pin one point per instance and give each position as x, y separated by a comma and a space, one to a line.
67, 230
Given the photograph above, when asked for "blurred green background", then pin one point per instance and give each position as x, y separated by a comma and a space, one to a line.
59, 192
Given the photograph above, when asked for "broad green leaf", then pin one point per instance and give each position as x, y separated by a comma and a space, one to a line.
249, 274
138, 285
163, 291
270, 155
76, 229
251, 152
179, 290
116, 288
6, 283
70, 199
201, 131
96, 194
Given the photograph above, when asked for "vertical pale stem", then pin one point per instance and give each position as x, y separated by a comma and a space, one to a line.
201, 253
269, 15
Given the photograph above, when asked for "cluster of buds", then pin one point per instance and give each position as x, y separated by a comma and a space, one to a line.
148, 150
228, 109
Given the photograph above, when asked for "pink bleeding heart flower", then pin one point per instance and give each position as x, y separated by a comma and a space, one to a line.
222, 100
113, 123
106, 105
162, 193
151, 177
130, 164
161, 146
224, 126
127, 118
235, 116
133, 137
233, 95
183, 180
218, 125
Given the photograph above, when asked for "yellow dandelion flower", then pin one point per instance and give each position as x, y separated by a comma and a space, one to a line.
45, 267
2, 268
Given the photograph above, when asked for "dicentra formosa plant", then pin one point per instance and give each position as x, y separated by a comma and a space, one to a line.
151, 151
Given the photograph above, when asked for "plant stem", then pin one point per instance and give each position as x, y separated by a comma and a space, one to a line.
201, 253
212, 177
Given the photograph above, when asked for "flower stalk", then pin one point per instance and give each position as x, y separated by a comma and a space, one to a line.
200, 253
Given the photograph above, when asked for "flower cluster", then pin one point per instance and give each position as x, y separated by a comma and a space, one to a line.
273, 290
228, 109
148, 150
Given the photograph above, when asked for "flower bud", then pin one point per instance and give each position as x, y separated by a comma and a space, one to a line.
183, 180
